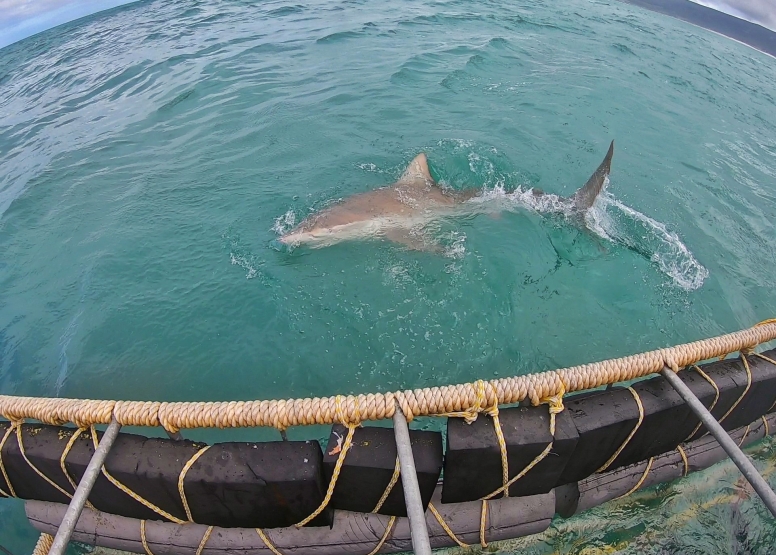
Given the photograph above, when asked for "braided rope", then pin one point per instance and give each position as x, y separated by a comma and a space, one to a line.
483, 521
389, 487
282, 414
555, 407
706, 377
66, 452
630, 436
182, 477
205, 538
267, 541
37, 471
746, 389
743, 438
63, 461
351, 425
641, 480
137, 497
45, 541
143, 539
383, 539
2, 466
684, 460
445, 527
765, 358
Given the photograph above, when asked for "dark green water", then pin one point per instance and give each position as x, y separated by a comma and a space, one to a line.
151, 155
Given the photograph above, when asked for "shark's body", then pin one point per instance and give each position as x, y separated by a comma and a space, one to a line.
398, 211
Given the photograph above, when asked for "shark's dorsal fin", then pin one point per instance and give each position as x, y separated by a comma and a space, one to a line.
417, 172
585, 197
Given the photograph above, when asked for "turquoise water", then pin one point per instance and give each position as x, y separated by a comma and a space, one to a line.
151, 155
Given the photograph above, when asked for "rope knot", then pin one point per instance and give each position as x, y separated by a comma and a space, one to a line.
338, 400
480, 403
556, 401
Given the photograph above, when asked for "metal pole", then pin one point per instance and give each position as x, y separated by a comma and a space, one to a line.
409, 480
177, 436
734, 452
67, 525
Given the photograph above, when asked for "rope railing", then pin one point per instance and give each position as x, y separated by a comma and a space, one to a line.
431, 401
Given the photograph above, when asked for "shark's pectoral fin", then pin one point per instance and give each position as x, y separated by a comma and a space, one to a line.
413, 240
417, 173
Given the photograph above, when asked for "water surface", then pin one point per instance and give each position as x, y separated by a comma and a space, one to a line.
151, 155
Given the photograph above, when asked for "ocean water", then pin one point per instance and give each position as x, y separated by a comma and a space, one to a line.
151, 155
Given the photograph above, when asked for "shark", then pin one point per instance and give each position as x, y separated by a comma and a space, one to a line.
399, 212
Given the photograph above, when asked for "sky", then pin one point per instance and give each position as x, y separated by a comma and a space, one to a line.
22, 18
762, 12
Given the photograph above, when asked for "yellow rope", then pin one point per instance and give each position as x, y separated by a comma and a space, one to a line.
555, 407
765, 423
205, 538
746, 390
684, 460
768, 359
44, 544
444, 526
480, 406
389, 487
182, 477
420, 402
493, 411
2, 466
471, 413
383, 539
340, 460
33, 467
143, 538
66, 452
630, 436
132, 494
63, 460
483, 519
713, 404
641, 480
266, 541
743, 438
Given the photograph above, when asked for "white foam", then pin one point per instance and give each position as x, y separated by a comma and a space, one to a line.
284, 223
611, 220
245, 264
456, 248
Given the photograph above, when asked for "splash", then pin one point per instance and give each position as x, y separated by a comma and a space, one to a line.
614, 222
284, 223
456, 247
245, 263
619, 223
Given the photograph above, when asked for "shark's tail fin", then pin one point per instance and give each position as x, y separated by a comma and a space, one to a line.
585, 197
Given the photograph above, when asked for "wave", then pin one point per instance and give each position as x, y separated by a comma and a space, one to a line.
619, 223
615, 222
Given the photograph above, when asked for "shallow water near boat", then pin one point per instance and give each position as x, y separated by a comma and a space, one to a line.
152, 155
